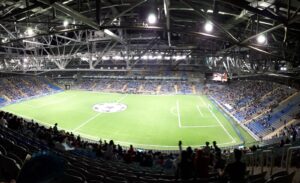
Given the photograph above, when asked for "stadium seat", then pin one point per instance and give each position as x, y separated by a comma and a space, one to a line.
15, 157
9, 169
285, 178
75, 173
115, 179
148, 179
278, 174
20, 151
72, 179
2, 150
257, 178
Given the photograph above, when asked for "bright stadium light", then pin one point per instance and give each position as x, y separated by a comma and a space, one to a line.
151, 57
208, 27
29, 31
144, 57
105, 58
261, 39
167, 57
152, 18
66, 23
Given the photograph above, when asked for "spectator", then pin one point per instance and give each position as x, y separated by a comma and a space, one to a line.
217, 150
185, 165
201, 163
55, 130
206, 149
42, 168
236, 171
219, 163
110, 150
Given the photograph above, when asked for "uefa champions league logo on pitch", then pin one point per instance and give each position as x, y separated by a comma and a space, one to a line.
109, 107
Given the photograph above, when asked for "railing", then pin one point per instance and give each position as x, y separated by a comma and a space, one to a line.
284, 154
289, 156
265, 159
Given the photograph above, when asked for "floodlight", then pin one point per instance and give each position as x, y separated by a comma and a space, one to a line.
29, 31
208, 27
66, 23
261, 39
152, 18
167, 57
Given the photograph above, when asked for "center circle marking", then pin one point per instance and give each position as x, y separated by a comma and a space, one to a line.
109, 107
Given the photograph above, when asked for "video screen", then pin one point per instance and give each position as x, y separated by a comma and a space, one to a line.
220, 77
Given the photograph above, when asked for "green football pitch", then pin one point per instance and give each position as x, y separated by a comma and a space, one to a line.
146, 121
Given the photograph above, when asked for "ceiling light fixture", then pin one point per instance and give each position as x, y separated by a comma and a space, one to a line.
29, 31
208, 27
152, 18
261, 39
66, 23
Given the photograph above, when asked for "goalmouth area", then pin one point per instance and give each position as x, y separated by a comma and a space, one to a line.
145, 121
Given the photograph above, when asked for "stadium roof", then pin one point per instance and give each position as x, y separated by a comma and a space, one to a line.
90, 34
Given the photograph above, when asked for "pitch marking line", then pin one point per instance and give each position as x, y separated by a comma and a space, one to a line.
203, 126
202, 101
90, 119
172, 111
178, 114
189, 126
198, 108
233, 140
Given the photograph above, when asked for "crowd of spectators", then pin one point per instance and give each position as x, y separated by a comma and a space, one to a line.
16, 88
256, 103
202, 162
138, 86
189, 163
291, 131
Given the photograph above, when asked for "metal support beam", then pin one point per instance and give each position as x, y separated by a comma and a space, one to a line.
11, 35
104, 52
167, 14
245, 5
67, 38
125, 11
204, 15
73, 13
98, 11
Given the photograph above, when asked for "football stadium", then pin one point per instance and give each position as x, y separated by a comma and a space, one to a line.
184, 91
